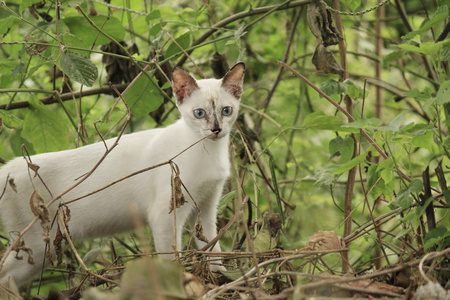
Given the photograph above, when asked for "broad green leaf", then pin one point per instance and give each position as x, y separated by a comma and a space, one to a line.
378, 186
419, 95
224, 201
353, 90
402, 233
437, 237
344, 167
420, 210
424, 140
342, 147
143, 97
263, 241
153, 15
411, 48
45, 129
75, 41
235, 273
440, 14
5, 24
184, 41
24, 4
80, 27
146, 276
443, 94
10, 120
396, 123
404, 199
386, 169
352, 4
320, 121
79, 68
333, 87
371, 123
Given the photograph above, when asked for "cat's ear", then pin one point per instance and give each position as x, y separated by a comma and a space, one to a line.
233, 81
183, 85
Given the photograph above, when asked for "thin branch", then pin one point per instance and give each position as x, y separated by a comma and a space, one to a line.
238, 16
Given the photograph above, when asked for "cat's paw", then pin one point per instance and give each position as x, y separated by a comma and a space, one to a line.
217, 268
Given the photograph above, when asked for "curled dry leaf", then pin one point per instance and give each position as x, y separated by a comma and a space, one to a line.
20, 246
57, 244
321, 23
324, 240
325, 62
273, 222
177, 193
39, 209
119, 69
33, 167
199, 231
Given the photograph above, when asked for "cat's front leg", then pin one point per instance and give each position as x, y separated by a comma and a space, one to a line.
208, 219
165, 237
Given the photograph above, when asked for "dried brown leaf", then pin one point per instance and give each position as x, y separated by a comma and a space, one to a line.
324, 240
39, 209
273, 222
199, 231
177, 194
33, 167
320, 23
325, 62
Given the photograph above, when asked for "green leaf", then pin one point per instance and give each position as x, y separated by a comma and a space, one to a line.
143, 97
424, 140
79, 68
439, 15
333, 87
411, 48
353, 90
352, 4
24, 4
341, 168
437, 237
235, 273
184, 41
10, 120
263, 241
342, 147
404, 199
318, 120
443, 94
396, 123
371, 123
80, 27
5, 24
386, 169
153, 15
146, 276
45, 129
224, 201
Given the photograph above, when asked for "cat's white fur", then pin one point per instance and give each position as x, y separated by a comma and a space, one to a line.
203, 171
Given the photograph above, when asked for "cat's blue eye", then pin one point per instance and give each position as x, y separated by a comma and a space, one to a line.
199, 113
227, 110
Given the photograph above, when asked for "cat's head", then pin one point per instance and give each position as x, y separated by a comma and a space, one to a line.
209, 105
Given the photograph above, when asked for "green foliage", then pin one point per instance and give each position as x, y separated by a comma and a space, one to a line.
78, 68
292, 150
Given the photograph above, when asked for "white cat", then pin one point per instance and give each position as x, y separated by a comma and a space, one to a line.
208, 107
